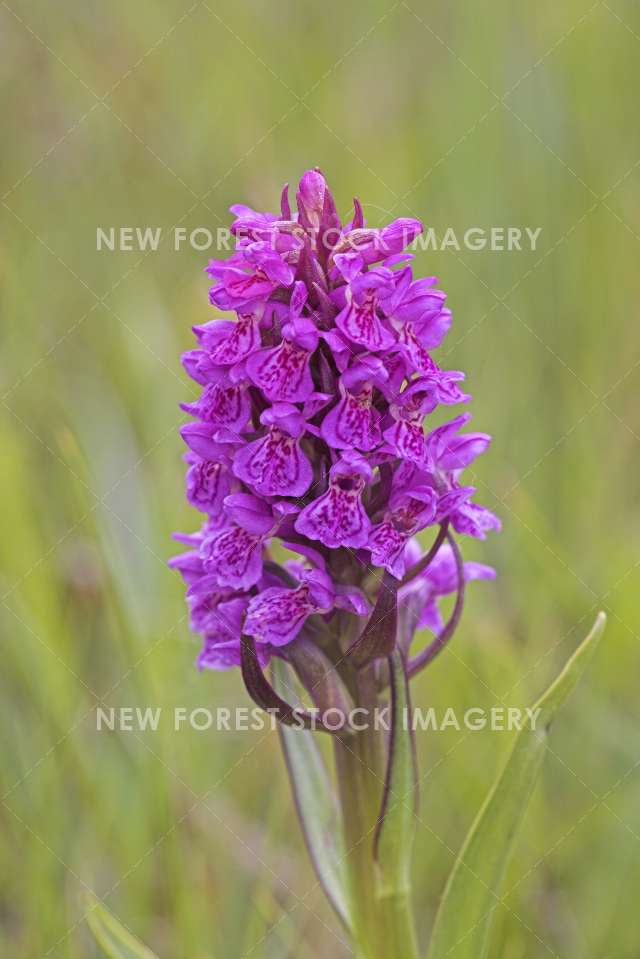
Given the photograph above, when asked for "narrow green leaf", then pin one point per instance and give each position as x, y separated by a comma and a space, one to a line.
315, 801
394, 835
393, 840
116, 941
472, 893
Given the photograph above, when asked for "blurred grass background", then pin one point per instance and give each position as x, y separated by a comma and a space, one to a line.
118, 114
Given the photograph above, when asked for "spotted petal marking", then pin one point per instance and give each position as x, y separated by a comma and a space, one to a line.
337, 518
234, 556
360, 324
353, 424
277, 615
274, 465
242, 340
282, 373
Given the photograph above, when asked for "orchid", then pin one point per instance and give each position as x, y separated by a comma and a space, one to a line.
312, 427
317, 454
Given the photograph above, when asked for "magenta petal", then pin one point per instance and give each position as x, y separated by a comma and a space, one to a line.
234, 556
286, 416
274, 465
207, 485
352, 599
282, 373
387, 545
474, 520
462, 450
310, 198
189, 565
353, 424
199, 438
414, 350
431, 618
225, 655
408, 440
222, 405
277, 615
251, 513
361, 325
215, 614
199, 366
228, 343
337, 518
219, 655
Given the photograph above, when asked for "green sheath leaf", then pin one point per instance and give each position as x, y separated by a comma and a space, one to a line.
394, 834
472, 893
315, 801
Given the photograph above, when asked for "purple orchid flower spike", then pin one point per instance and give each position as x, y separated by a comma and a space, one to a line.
314, 429
321, 430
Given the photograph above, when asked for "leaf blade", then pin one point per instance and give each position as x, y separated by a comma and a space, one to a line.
393, 840
315, 802
472, 891
394, 833
115, 941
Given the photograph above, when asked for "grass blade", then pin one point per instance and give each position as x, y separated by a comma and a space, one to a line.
116, 941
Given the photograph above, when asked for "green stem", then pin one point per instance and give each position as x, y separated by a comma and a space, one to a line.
381, 915
400, 933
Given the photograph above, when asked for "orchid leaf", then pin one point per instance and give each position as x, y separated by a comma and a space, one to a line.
265, 696
393, 839
315, 802
394, 833
116, 941
472, 894
378, 638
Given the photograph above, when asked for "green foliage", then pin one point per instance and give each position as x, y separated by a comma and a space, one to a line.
116, 941
315, 801
394, 839
473, 891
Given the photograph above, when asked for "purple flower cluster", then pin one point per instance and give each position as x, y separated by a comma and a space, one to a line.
309, 437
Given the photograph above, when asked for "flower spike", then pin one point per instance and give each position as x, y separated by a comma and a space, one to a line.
315, 434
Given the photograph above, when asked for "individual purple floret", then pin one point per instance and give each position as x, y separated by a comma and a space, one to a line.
313, 434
